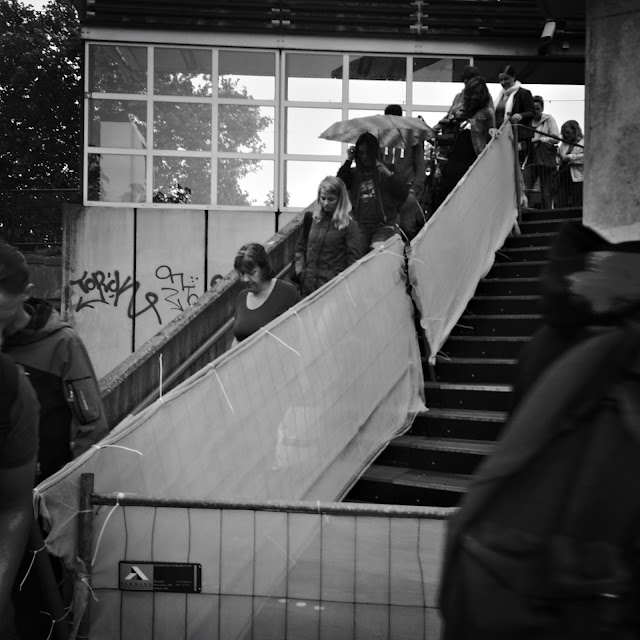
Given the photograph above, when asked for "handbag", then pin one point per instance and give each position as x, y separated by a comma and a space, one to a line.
545, 154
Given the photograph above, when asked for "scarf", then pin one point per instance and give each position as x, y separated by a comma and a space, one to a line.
510, 93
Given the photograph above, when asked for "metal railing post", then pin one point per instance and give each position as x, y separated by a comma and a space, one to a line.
519, 178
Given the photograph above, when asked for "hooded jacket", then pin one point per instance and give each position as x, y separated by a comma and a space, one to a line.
546, 543
390, 192
52, 354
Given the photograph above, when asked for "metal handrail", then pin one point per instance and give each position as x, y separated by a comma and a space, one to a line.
549, 135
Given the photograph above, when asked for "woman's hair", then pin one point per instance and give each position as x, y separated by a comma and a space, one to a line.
336, 187
475, 96
469, 72
507, 70
14, 272
253, 255
575, 125
539, 99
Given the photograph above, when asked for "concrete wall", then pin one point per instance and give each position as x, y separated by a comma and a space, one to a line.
129, 272
46, 276
184, 341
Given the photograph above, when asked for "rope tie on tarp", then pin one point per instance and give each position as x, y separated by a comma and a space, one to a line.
226, 397
35, 552
119, 497
282, 342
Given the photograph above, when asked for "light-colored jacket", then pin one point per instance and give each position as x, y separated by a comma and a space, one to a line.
575, 155
547, 124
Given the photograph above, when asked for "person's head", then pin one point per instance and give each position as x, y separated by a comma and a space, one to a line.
475, 96
571, 131
469, 72
507, 77
538, 105
253, 266
14, 286
393, 110
367, 151
333, 201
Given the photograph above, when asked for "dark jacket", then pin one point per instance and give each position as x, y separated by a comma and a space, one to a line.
325, 252
55, 359
546, 543
523, 104
390, 192
18, 416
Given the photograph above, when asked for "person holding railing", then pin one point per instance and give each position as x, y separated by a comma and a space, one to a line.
515, 103
329, 240
543, 159
570, 176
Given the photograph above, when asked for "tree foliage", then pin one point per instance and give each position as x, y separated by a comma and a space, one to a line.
40, 96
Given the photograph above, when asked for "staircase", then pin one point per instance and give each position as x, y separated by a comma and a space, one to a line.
471, 395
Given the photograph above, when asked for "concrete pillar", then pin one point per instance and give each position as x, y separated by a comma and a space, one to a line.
612, 136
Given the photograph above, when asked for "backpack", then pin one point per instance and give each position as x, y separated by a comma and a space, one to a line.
546, 544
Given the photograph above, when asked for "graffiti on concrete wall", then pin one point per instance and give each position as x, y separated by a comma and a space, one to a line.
111, 288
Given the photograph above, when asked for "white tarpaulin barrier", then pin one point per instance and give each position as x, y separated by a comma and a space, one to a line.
297, 411
456, 248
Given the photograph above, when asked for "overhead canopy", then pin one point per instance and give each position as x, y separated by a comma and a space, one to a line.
485, 19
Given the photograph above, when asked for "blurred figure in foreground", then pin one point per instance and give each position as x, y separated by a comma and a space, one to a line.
19, 411
546, 544
410, 165
570, 176
264, 298
329, 239
375, 190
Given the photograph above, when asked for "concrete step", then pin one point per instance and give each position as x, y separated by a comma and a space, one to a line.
402, 485
435, 454
522, 254
508, 286
531, 269
569, 213
497, 325
475, 370
510, 305
478, 397
530, 240
484, 346
459, 423
541, 225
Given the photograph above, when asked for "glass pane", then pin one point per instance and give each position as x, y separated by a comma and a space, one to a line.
181, 126
181, 180
246, 74
436, 81
432, 117
117, 69
314, 77
182, 72
116, 178
564, 102
246, 129
245, 182
118, 123
302, 180
377, 79
305, 125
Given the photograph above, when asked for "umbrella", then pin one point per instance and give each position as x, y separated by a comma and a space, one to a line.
391, 131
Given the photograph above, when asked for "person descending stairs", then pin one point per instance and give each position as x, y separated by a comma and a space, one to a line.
469, 391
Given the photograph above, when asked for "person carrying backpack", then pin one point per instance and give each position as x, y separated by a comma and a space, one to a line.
546, 544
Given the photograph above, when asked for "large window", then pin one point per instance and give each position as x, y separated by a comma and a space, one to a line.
237, 129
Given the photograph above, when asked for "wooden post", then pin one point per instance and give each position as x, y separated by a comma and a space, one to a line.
85, 541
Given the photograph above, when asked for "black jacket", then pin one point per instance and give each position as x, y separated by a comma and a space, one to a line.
55, 359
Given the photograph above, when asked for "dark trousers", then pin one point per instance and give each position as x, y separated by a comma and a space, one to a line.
545, 174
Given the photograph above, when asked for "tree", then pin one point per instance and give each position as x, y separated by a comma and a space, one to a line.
40, 96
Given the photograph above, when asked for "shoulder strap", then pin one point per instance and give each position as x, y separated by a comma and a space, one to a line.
8, 385
306, 225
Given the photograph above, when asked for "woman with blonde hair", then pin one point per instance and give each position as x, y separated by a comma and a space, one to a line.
329, 240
